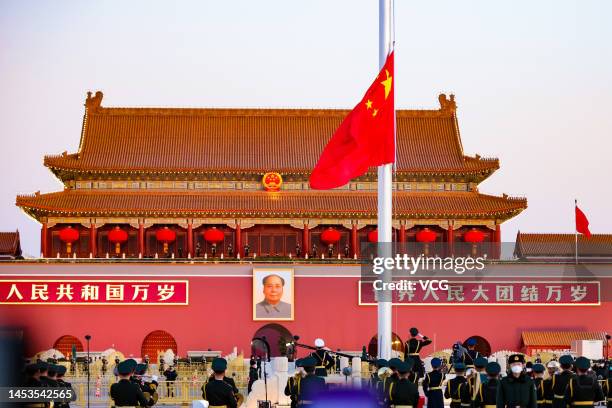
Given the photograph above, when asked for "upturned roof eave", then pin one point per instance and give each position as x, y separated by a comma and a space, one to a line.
58, 169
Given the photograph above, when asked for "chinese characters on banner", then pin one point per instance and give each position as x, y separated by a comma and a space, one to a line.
94, 292
490, 293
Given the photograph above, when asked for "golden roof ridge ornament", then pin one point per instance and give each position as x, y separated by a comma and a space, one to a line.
93, 103
447, 104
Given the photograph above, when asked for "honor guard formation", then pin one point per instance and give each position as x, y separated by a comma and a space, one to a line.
465, 379
42, 375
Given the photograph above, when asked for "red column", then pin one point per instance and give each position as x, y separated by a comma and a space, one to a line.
354, 241
402, 247
238, 239
43, 240
450, 241
190, 239
497, 241
306, 240
93, 236
141, 239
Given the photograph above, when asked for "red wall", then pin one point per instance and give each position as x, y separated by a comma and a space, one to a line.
219, 317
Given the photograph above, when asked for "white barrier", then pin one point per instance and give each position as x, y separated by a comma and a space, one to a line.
275, 389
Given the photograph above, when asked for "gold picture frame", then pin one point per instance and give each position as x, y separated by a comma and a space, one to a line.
268, 304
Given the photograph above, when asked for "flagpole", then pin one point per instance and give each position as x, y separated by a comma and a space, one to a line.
385, 45
576, 229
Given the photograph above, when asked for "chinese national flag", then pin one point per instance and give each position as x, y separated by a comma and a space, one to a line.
366, 137
582, 223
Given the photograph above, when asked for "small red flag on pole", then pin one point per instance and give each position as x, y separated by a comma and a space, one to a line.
582, 226
582, 223
366, 137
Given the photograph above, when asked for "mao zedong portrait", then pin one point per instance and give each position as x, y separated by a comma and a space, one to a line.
272, 307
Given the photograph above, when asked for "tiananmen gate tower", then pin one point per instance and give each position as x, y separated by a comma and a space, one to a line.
168, 215
190, 170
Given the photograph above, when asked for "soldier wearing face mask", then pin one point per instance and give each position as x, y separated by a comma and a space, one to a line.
517, 389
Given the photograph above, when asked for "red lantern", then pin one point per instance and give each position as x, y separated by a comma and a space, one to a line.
214, 236
473, 236
330, 236
117, 236
165, 235
373, 236
68, 235
425, 235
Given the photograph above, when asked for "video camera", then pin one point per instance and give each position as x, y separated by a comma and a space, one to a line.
458, 354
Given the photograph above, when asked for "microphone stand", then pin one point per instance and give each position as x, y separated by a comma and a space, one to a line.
88, 337
265, 375
267, 403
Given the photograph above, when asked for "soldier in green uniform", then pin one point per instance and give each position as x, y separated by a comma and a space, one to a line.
561, 380
292, 389
583, 390
457, 389
125, 392
311, 385
404, 393
432, 385
216, 391
486, 395
413, 347
517, 389
538, 378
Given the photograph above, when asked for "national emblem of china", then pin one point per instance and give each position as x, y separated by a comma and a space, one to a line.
272, 181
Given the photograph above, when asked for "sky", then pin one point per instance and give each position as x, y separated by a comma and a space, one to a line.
532, 81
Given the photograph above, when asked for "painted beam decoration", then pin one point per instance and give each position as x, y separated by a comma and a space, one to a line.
489, 293
94, 292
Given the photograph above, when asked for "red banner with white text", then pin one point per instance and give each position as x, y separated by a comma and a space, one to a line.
485, 293
94, 292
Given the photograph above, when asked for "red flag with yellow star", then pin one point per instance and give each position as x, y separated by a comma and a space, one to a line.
366, 137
